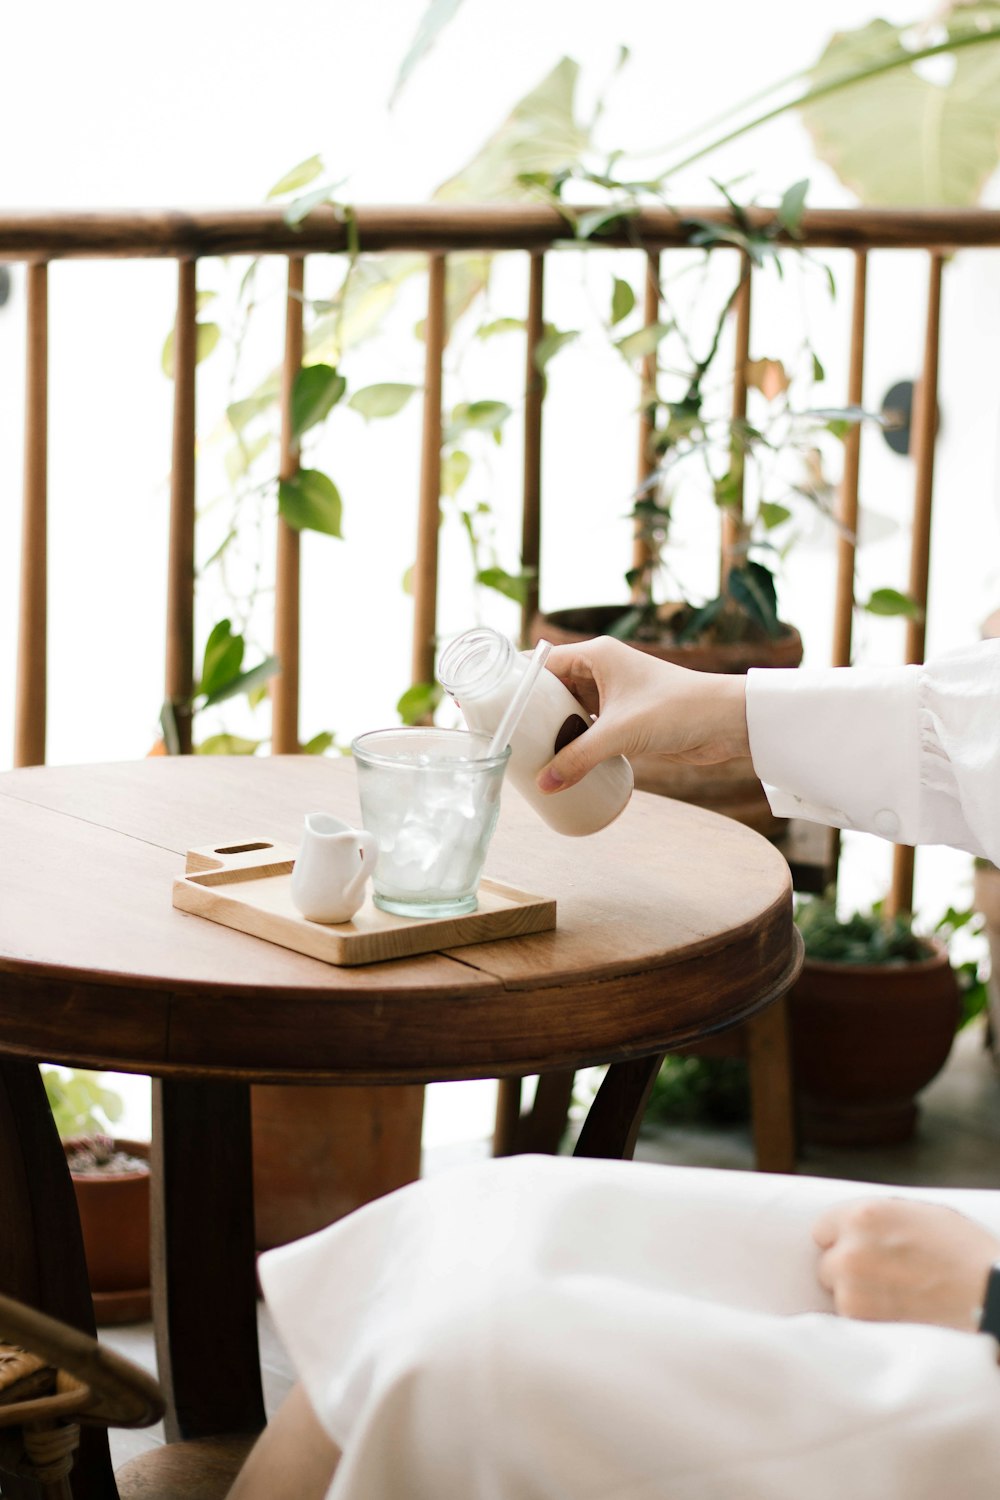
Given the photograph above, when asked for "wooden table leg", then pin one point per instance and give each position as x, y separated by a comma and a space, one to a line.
772, 1100
613, 1121
41, 1249
204, 1286
542, 1127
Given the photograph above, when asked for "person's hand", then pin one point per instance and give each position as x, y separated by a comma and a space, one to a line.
899, 1261
644, 706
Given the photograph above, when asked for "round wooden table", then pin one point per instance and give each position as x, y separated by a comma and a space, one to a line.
673, 924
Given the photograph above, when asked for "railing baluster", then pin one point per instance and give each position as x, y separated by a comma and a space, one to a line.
847, 500
285, 687
733, 526
642, 553
922, 448
534, 393
180, 557
425, 569
29, 721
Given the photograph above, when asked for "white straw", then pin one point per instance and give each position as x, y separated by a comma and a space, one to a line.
515, 708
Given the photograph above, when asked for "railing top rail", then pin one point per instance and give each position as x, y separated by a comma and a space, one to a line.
432, 228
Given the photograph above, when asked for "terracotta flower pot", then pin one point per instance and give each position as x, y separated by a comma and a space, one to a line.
114, 1218
866, 1038
731, 787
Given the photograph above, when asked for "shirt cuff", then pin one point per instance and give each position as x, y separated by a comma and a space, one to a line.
839, 745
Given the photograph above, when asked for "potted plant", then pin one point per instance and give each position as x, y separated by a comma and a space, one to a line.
873, 1016
111, 1183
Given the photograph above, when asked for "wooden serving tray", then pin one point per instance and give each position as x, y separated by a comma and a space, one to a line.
248, 886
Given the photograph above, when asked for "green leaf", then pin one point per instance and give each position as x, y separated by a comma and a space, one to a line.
455, 468
512, 586
773, 514
301, 208
892, 602
627, 623
701, 619
622, 301
223, 658
310, 501
550, 343
238, 460
228, 744
727, 490
79, 1103
170, 728
207, 335
752, 587
432, 23
243, 682
316, 391
539, 138
383, 400
791, 207
818, 371
597, 219
202, 299
320, 743
299, 177
419, 702
476, 416
644, 341
500, 325
226, 542
937, 143
241, 413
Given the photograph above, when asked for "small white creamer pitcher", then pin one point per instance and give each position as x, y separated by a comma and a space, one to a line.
332, 869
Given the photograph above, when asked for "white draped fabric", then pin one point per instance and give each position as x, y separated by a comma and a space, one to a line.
555, 1329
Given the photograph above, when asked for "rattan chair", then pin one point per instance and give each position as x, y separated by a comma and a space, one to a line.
53, 1379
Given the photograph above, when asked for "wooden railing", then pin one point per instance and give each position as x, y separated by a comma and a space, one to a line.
39, 238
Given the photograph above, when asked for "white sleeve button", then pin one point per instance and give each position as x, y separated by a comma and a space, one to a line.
886, 824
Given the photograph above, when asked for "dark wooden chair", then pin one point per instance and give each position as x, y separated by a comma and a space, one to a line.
55, 1380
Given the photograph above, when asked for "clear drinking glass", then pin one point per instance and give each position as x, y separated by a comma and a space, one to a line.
431, 797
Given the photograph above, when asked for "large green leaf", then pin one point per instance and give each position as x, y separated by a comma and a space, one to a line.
539, 136
898, 138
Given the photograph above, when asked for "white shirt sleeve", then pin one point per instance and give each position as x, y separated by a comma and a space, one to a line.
910, 753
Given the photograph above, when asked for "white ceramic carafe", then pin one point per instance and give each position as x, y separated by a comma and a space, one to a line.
332, 869
481, 670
